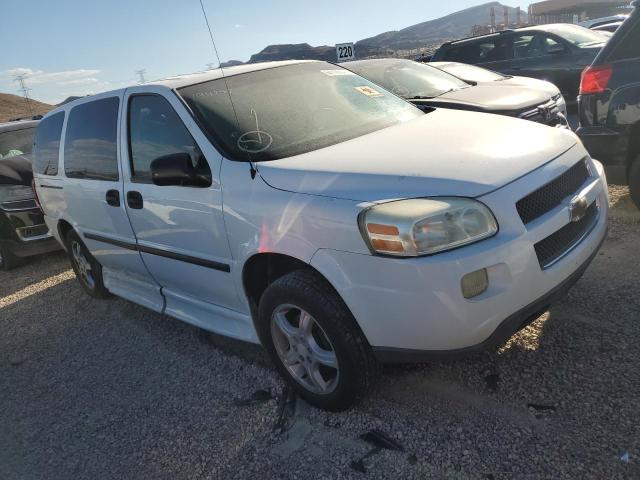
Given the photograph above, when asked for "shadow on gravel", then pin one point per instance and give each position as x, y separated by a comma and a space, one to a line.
32, 270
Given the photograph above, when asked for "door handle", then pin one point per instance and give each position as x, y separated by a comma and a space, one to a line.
113, 198
134, 200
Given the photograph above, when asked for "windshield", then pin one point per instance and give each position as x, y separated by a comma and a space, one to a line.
577, 35
16, 142
293, 109
407, 78
470, 73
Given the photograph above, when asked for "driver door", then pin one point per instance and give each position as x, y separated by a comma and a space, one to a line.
543, 56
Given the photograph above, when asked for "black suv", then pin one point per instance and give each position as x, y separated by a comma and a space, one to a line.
610, 106
557, 53
22, 229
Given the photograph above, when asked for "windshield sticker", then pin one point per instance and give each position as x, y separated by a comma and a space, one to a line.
337, 73
369, 92
254, 141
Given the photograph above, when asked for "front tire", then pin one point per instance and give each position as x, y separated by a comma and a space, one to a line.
88, 270
315, 342
634, 181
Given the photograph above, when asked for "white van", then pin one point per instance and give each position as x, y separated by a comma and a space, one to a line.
298, 205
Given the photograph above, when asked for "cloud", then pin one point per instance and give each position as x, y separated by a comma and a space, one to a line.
238, 25
54, 86
81, 81
38, 77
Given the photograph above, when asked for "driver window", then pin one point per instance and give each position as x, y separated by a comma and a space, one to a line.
549, 45
155, 130
524, 46
529, 46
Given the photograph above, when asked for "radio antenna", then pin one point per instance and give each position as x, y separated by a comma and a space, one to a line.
215, 51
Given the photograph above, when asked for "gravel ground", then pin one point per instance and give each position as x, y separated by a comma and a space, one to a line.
106, 389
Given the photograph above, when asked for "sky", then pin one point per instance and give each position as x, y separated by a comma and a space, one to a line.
79, 47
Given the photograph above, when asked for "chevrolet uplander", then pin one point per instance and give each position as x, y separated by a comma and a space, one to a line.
297, 205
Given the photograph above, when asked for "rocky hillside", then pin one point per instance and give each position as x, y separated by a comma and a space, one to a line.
433, 32
300, 51
455, 25
13, 106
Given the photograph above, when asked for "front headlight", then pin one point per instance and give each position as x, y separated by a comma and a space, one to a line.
562, 105
423, 226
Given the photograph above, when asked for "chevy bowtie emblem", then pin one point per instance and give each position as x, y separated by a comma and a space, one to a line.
578, 209
545, 113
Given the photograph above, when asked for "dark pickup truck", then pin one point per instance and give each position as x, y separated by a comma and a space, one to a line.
22, 229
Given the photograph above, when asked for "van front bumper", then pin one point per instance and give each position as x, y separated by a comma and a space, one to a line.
411, 309
511, 325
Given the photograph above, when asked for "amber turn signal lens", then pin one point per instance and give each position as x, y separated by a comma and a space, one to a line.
387, 245
382, 229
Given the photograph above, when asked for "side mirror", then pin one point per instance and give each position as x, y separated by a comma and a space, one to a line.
177, 169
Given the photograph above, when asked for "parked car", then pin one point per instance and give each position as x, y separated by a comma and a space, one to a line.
22, 229
557, 53
597, 22
427, 87
299, 205
609, 106
475, 74
607, 28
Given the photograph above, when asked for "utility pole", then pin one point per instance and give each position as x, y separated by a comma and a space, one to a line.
140, 74
20, 78
506, 18
493, 19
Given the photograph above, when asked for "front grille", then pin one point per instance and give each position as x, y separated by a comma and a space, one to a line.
558, 244
17, 205
548, 113
26, 233
548, 197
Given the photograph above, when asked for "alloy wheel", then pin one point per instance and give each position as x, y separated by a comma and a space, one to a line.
304, 349
82, 264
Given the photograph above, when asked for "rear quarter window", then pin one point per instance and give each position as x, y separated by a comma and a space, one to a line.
46, 147
90, 146
629, 45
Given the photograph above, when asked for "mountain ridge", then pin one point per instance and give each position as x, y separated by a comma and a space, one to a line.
454, 25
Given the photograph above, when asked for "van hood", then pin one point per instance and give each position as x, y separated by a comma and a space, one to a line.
444, 152
490, 97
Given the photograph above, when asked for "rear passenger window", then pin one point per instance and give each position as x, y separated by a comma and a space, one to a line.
485, 51
90, 146
629, 47
46, 145
155, 130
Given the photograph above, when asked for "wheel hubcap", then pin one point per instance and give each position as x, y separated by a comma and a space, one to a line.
304, 349
83, 265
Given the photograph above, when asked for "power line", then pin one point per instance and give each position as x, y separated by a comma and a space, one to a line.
140, 74
224, 78
20, 78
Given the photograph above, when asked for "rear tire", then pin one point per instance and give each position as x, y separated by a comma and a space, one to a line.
634, 181
88, 270
7, 259
314, 341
